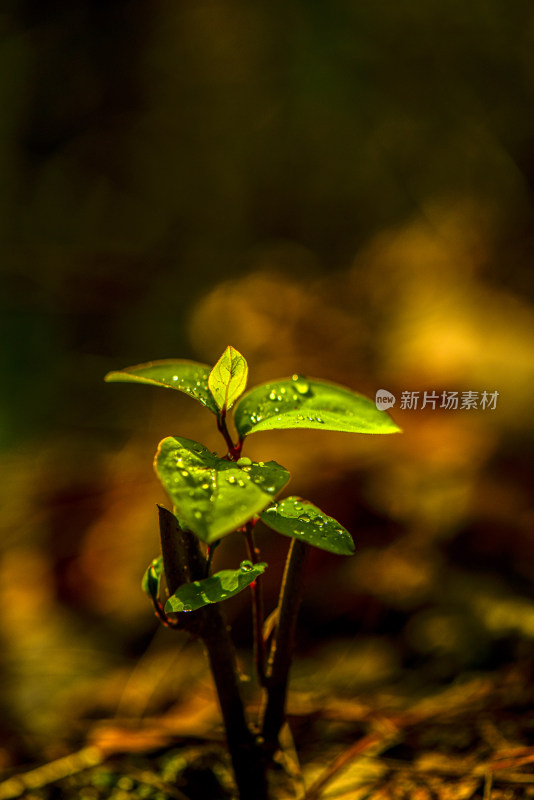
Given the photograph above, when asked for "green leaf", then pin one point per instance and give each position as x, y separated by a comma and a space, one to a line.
304, 521
151, 582
221, 586
184, 376
228, 378
300, 402
213, 496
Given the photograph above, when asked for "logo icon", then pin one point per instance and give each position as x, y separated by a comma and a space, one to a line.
384, 399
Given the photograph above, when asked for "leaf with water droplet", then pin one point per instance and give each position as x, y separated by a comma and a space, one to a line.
185, 376
151, 582
228, 378
309, 403
295, 517
212, 496
221, 586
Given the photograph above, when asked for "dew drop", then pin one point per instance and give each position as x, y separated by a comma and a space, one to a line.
187, 608
241, 483
231, 479
271, 510
272, 395
175, 377
197, 514
301, 384
205, 486
246, 566
184, 472
244, 462
304, 518
300, 418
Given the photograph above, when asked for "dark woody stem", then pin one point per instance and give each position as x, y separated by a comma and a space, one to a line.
184, 562
277, 674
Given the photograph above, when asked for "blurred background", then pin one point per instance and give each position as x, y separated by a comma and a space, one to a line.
342, 190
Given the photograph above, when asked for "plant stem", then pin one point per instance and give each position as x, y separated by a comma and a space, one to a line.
246, 755
209, 560
282, 646
257, 607
234, 450
183, 562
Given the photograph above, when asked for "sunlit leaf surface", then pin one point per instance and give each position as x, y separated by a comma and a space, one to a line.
302, 520
212, 496
185, 376
300, 402
221, 586
228, 378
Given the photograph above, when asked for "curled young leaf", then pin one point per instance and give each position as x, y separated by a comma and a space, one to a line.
300, 402
151, 582
301, 520
218, 587
228, 378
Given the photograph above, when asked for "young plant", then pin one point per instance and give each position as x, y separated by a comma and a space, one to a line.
214, 496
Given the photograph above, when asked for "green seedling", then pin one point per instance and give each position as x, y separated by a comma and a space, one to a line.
215, 496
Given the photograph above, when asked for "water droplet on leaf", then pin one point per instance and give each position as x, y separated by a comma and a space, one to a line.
246, 566
301, 384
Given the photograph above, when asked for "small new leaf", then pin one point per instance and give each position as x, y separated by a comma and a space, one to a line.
228, 378
152, 578
301, 520
221, 586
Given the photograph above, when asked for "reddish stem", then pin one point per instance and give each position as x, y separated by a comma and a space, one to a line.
257, 607
234, 450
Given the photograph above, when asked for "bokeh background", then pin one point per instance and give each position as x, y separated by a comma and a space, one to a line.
339, 189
